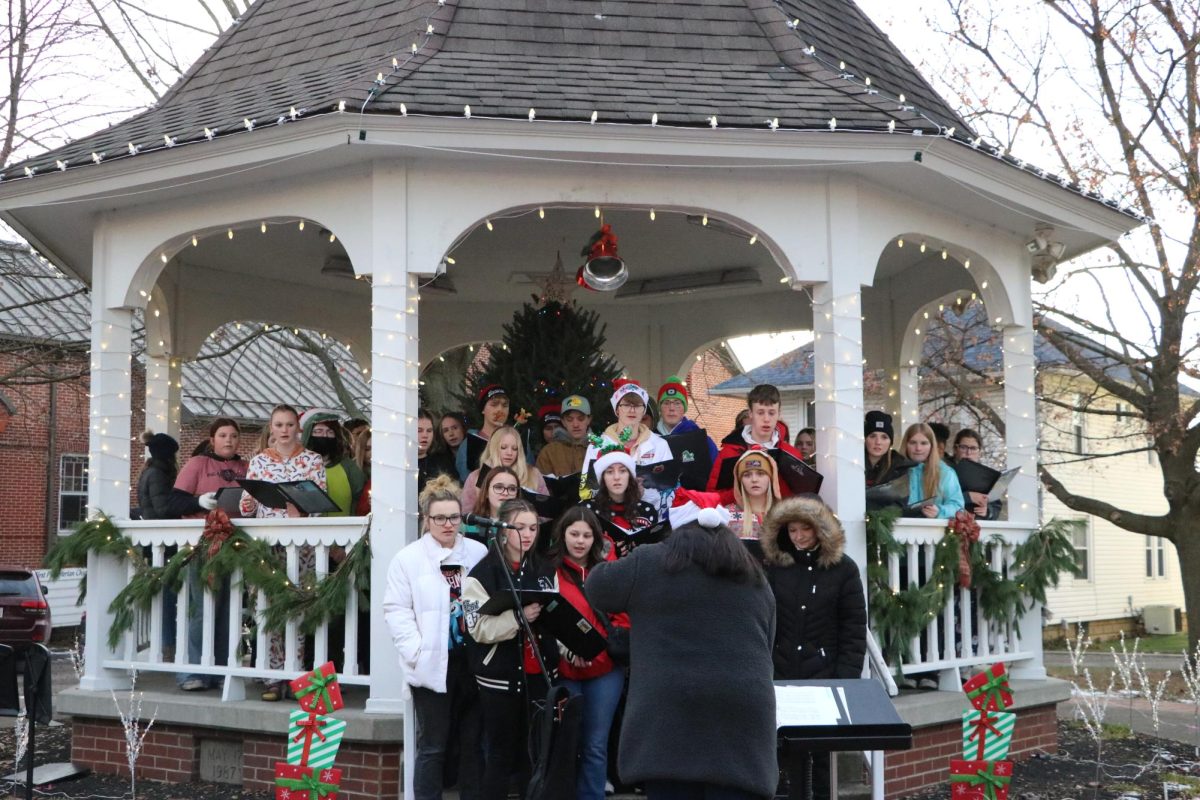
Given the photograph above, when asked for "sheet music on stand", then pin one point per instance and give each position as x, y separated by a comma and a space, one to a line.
807, 705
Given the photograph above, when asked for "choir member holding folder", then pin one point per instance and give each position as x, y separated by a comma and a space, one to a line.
755, 491
977, 479
577, 547
619, 498
507, 666
284, 461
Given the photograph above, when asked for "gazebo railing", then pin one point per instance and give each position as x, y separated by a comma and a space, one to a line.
251, 652
960, 636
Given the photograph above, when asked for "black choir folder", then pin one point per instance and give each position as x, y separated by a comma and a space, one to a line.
976, 477
304, 495
799, 477
650, 534
661, 475
558, 618
690, 451
564, 493
895, 493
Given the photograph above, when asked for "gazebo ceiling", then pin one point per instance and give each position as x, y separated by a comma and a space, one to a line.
665, 256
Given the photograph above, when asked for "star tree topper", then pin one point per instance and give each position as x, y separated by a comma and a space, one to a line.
556, 288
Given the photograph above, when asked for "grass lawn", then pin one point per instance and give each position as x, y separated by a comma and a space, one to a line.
1175, 643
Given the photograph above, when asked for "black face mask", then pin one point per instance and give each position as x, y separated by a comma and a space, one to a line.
323, 445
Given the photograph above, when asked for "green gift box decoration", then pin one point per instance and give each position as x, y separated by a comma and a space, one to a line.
987, 735
313, 739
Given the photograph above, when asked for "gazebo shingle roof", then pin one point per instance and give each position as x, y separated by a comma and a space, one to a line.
746, 62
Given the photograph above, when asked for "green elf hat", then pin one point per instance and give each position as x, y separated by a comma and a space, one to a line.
673, 389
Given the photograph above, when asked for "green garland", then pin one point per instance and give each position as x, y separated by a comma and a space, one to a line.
898, 617
310, 603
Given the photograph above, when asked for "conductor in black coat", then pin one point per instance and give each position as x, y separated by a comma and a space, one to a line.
821, 612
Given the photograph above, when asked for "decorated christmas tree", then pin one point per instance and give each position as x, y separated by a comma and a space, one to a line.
551, 349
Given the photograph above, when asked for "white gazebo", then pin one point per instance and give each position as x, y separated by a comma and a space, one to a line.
766, 167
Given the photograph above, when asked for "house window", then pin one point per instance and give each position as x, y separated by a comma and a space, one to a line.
810, 414
1156, 557
1077, 431
72, 491
1081, 542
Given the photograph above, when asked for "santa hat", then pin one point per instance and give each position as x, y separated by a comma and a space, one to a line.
617, 456
689, 507
673, 389
755, 457
623, 387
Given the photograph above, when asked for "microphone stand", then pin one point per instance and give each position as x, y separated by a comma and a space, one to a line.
518, 607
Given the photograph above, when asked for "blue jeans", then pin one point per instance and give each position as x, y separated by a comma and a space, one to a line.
600, 698
195, 626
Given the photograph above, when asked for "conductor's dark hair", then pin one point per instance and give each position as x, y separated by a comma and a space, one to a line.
717, 552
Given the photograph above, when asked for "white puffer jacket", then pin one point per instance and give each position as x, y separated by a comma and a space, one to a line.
416, 606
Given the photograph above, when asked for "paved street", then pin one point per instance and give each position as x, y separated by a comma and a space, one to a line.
1099, 657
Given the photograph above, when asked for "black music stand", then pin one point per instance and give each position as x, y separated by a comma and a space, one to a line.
867, 720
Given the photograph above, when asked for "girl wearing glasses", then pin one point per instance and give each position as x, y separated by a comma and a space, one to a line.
503, 449
422, 605
968, 446
506, 665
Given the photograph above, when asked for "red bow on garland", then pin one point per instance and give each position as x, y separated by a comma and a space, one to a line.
967, 529
217, 529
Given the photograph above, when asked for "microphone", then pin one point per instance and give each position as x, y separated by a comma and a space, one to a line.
486, 522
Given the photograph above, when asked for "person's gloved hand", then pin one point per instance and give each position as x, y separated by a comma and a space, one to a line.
208, 501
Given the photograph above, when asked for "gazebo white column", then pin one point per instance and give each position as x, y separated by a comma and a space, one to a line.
163, 394
1021, 436
394, 374
837, 327
108, 467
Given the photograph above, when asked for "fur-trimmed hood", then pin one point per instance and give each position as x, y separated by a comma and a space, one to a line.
830, 536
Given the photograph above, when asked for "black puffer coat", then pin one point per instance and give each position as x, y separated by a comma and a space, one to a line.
821, 613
